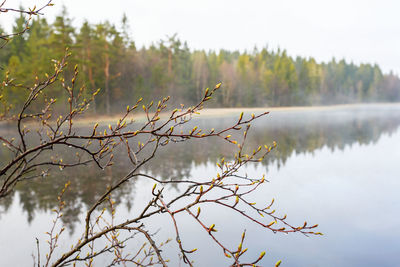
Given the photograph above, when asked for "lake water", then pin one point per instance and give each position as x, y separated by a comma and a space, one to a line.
338, 167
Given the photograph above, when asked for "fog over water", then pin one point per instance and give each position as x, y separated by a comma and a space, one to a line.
337, 167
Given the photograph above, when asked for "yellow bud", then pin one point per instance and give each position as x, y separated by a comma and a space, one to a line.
198, 212
211, 229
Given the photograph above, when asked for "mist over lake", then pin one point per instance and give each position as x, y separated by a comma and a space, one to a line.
336, 167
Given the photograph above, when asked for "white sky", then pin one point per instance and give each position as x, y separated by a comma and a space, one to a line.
357, 30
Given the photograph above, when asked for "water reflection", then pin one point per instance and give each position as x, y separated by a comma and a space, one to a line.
296, 132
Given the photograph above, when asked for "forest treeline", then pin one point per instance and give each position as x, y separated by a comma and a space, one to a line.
108, 59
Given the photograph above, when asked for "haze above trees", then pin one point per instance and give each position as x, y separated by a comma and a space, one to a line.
109, 59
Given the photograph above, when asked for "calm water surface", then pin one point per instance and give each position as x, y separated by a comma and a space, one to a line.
339, 168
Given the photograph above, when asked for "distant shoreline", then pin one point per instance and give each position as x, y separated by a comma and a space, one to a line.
223, 112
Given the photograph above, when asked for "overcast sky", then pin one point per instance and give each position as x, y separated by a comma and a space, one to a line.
357, 30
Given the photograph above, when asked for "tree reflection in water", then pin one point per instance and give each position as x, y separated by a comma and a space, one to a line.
294, 131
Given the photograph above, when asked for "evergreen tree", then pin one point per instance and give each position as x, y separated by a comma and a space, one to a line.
108, 59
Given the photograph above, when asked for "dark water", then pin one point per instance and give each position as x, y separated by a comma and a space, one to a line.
339, 168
